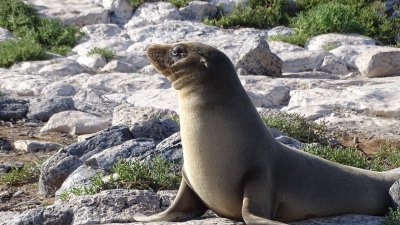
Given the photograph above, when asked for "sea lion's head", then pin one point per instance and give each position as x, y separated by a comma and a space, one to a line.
191, 63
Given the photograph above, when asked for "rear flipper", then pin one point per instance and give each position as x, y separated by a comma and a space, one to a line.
185, 207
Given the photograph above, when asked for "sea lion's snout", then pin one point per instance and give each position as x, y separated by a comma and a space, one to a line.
158, 55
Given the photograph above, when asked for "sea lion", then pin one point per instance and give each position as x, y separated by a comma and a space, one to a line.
235, 167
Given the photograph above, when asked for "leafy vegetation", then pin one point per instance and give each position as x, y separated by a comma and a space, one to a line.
42, 33
258, 13
177, 3
298, 127
392, 217
313, 17
387, 158
156, 174
18, 176
106, 53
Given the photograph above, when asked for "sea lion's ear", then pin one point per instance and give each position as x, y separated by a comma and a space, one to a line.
204, 61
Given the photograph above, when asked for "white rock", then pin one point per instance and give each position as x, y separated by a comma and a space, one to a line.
94, 62
379, 62
22, 84
299, 61
5, 35
198, 10
369, 99
226, 6
158, 98
119, 66
279, 47
54, 67
34, 146
125, 82
75, 123
256, 58
58, 89
333, 40
128, 114
102, 31
349, 53
154, 13
280, 31
333, 64
79, 12
264, 91
120, 10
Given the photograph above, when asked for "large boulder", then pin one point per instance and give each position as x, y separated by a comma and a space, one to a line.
43, 108
12, 109
57, 168
379, 62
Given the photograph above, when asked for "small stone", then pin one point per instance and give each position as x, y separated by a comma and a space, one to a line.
34, 146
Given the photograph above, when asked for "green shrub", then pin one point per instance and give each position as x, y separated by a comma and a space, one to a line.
298, 127
156, 174
12, 51
259, 14
296, 39
326, 18
346, 156
108, 54
392, 217
18, 176
180, 3
329, 46
23, 21
387, 158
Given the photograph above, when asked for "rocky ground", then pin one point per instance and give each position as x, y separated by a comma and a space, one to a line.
354, 87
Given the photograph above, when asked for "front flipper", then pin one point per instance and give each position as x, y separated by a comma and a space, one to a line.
258, 203
185, 207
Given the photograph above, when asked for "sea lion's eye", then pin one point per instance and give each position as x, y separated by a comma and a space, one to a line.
178, 51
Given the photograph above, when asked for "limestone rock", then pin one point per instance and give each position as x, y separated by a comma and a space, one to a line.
23, 85
128, 114
163, 99
125, 83
299, 61
43, 108
226, 6
198, 11
333, 40
58, 89
78, 12
75, 122
278, 47
379, 62
57, 168
156, 129
34, 146
56, 214
12, 109
170, 149
394, 193
94, 62
280, 31
101, 209
153, 13
5, 35
349, 53
256, 58
334, 65
132, 148
119, 66
120, 11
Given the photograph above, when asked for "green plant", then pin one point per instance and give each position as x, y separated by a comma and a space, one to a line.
296, 39
326, 18
392, 217
155, 174
179, 3
387, 158
108, 54
259, 14
329, 46
12, 51
27, 26
29, 173
346, 156
297, 126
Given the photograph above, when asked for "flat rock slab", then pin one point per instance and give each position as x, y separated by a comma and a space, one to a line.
79, 12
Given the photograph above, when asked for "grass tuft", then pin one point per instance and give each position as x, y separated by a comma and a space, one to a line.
106, 53
298, 127
392, 217
12, 51
29, 173
156, 174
